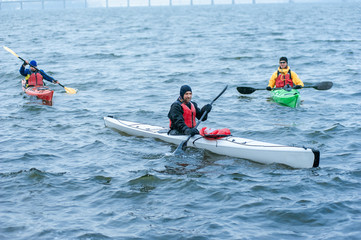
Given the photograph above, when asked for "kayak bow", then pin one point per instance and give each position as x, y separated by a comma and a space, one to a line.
290, 98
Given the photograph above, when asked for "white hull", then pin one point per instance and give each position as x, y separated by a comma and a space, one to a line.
256, 151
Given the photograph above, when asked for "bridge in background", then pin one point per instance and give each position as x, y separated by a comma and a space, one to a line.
20, 3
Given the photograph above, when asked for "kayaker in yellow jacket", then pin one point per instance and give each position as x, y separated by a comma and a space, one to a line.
284, 76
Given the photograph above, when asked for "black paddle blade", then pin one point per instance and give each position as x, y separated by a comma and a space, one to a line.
324, 85
246, 90
181, 148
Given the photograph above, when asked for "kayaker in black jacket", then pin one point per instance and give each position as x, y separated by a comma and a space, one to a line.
183, 113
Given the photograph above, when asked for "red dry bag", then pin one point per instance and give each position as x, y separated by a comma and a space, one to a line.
214, 133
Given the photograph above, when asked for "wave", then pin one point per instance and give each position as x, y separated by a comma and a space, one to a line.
32, 173
104, 56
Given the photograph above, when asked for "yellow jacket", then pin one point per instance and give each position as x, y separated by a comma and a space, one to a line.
295, 79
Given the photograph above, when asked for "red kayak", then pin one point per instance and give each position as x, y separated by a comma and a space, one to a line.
41, 92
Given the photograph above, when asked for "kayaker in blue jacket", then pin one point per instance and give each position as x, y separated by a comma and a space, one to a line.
34, 76
183, 113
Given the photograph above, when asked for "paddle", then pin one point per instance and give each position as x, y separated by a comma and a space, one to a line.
248, 90
319, 86
182, 146
67, 89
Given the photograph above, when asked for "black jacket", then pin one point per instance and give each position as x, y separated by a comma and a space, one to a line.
176, 115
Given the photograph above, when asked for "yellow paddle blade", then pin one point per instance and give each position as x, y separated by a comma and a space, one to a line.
70, 90
10, 51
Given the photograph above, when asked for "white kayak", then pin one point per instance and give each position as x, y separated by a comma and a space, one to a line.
261, 152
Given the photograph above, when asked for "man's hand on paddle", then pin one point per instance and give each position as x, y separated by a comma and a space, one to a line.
191, 131
207, 108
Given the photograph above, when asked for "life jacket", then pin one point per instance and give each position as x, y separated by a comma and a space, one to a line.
284, 79
189, 115
35, 79
210, 133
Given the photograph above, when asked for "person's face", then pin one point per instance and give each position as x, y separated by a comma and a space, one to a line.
187, 97
283, 64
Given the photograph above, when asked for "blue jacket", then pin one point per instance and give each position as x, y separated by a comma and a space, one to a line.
27, 71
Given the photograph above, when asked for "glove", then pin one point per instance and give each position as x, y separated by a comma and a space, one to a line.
297, 87
207, 108
191, 131
269, 88
25, 63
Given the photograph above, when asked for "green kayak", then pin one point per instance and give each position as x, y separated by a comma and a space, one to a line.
286, 97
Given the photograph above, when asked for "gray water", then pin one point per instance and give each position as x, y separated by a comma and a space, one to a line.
63, 175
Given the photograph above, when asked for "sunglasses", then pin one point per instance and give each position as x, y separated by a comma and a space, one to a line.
282, 62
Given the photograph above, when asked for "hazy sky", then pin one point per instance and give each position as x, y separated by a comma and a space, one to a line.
124, 3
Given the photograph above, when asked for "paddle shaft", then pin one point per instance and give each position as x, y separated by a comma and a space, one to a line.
24, 61
184, 143
319, 86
